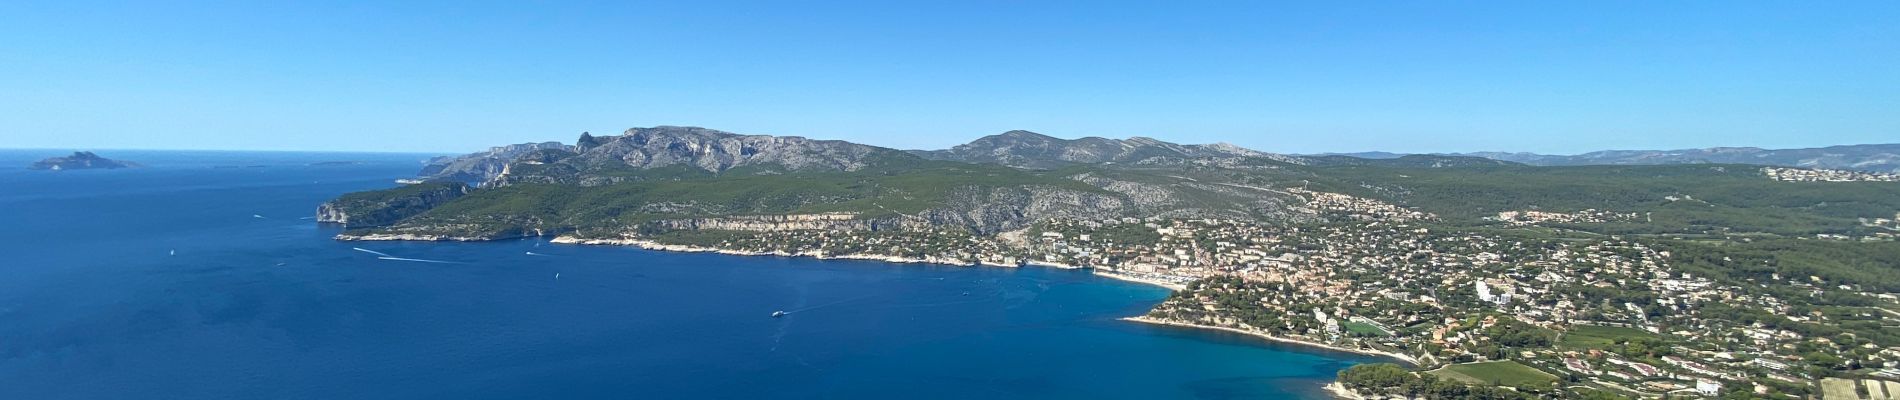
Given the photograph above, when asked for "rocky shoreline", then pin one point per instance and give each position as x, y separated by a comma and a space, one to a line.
1339, 391
653, 245
1334, 388
410, 237
1396, 356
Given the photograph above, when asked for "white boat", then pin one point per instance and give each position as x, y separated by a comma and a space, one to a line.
776, 314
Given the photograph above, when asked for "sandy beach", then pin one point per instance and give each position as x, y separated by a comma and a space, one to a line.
1131, 278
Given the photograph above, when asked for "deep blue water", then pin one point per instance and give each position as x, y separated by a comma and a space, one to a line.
93, 305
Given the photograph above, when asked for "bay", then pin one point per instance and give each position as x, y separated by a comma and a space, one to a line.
200, 276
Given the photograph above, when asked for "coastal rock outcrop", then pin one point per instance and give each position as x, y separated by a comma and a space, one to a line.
380, 208
80, 160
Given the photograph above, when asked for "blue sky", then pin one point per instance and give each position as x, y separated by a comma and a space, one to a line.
1291, 77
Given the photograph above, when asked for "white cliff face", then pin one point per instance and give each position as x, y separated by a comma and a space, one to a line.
374, 209
329, 212
716, 151
484, 165
688, 153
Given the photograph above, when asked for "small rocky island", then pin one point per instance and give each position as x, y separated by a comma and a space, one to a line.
81, 160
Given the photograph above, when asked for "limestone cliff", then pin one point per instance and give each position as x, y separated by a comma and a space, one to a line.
482, 166
381, 208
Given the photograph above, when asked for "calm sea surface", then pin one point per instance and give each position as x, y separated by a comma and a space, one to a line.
258, 302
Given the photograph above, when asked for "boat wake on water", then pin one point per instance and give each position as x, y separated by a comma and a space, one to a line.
782, 313
386, 256
416, 260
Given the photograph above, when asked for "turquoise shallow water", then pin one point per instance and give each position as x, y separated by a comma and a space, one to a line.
259, 303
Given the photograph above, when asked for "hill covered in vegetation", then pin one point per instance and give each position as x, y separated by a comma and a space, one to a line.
628, 182
1587, 281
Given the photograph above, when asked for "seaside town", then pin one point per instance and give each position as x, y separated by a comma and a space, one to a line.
1541, 314
1826, 175
991, 200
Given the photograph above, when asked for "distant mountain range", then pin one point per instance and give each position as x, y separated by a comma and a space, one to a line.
1382, 227
1025, 149
719, 152
663, 178
1864, 157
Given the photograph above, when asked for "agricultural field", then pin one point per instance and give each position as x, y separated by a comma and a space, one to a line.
1598, 337
1364, 329
1503, 373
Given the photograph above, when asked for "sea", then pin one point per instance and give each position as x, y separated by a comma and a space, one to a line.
202, 276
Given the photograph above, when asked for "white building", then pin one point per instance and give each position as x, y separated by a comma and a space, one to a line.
1502, 296
1707, 387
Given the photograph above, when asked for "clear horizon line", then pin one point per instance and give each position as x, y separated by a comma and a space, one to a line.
99, 149
1322, 153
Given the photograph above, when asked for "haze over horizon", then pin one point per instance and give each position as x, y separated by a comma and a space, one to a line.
1284, 78
479, 148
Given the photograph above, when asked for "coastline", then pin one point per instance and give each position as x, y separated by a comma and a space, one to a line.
408, 237
1396, 356
1333, 388
1138, 279
657, 246
1341, 392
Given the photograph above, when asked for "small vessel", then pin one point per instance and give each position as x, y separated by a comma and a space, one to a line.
776, 314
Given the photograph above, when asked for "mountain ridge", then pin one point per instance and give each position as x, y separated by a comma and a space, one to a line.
1026, 149
711, 151
1884, 158
1251, 241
